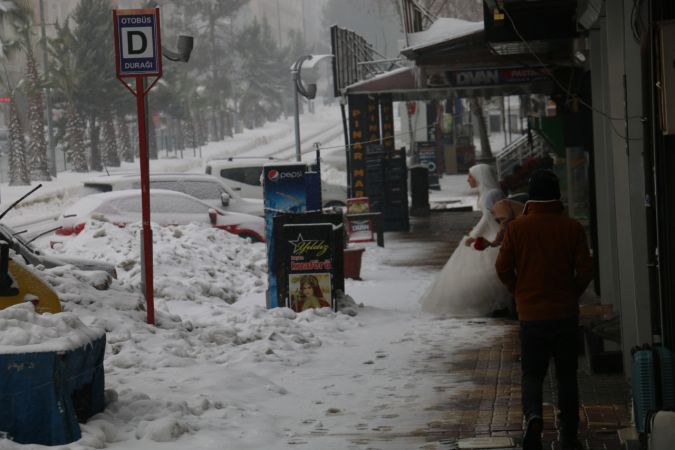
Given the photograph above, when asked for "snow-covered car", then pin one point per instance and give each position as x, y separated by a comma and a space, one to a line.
166, 208
212, 190
244, 176
35, 257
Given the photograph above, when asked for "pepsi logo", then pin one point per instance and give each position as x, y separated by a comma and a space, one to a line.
273, 175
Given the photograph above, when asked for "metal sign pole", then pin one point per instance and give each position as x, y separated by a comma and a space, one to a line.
145, 199
138, 55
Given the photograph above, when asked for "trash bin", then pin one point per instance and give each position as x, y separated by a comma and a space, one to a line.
419, 191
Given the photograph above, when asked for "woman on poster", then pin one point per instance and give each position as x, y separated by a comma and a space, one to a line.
309, 294
468, 286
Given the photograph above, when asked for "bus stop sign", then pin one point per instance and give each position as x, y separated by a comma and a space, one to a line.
137, 42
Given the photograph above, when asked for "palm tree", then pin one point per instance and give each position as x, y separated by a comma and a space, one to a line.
206, 18
65, 78
18, 15
93, 52
18, 166
110, 156
124, 139
37, 147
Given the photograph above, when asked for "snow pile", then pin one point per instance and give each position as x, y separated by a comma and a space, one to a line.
200, 370
22, 330
191, 262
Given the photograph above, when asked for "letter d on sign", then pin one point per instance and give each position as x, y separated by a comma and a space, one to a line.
136, 42
141, 40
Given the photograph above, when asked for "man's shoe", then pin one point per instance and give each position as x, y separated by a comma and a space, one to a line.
570, 443
532, 438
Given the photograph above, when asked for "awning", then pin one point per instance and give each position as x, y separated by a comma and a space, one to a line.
399, 82
453, 56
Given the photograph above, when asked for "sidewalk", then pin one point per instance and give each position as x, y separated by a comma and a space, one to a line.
487, 403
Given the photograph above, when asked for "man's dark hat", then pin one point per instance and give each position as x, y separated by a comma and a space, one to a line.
544, 185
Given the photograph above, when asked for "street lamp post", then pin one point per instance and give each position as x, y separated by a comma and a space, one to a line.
48, 95
308, 92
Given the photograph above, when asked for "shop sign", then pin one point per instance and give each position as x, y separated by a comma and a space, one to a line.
493, 77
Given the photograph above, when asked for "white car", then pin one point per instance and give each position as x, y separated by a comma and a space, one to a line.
166, 208
212, 190
244, 175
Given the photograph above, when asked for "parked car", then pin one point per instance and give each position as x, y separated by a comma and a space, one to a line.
244, 176
212, 190
35, 257
166, 208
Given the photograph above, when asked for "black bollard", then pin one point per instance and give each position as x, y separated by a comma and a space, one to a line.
419, 191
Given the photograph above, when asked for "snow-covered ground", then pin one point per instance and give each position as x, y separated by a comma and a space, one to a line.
221, 371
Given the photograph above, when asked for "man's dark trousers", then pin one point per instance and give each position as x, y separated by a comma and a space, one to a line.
541, 340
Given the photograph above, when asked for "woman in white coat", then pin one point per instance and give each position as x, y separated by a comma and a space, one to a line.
468, 286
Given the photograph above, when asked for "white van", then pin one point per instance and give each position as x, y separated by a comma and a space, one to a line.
212, 190
244, 175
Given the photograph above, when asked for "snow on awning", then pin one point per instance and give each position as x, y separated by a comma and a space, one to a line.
397, 80
442, 30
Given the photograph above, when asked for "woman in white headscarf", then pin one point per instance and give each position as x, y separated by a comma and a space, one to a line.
468, 286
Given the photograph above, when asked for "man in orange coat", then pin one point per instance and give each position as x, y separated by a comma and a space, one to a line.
545, 262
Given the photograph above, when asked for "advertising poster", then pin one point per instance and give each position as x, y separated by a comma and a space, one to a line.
284, 191
427, 157
309, 290
359, 230
309, 250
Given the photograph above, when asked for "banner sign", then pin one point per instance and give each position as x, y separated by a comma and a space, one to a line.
359, 230
358, 116
284, 191
138, 49
309, 250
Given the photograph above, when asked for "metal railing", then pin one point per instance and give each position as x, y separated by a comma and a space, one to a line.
518, 151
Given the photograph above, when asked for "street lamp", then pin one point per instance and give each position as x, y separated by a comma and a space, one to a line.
308, 92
